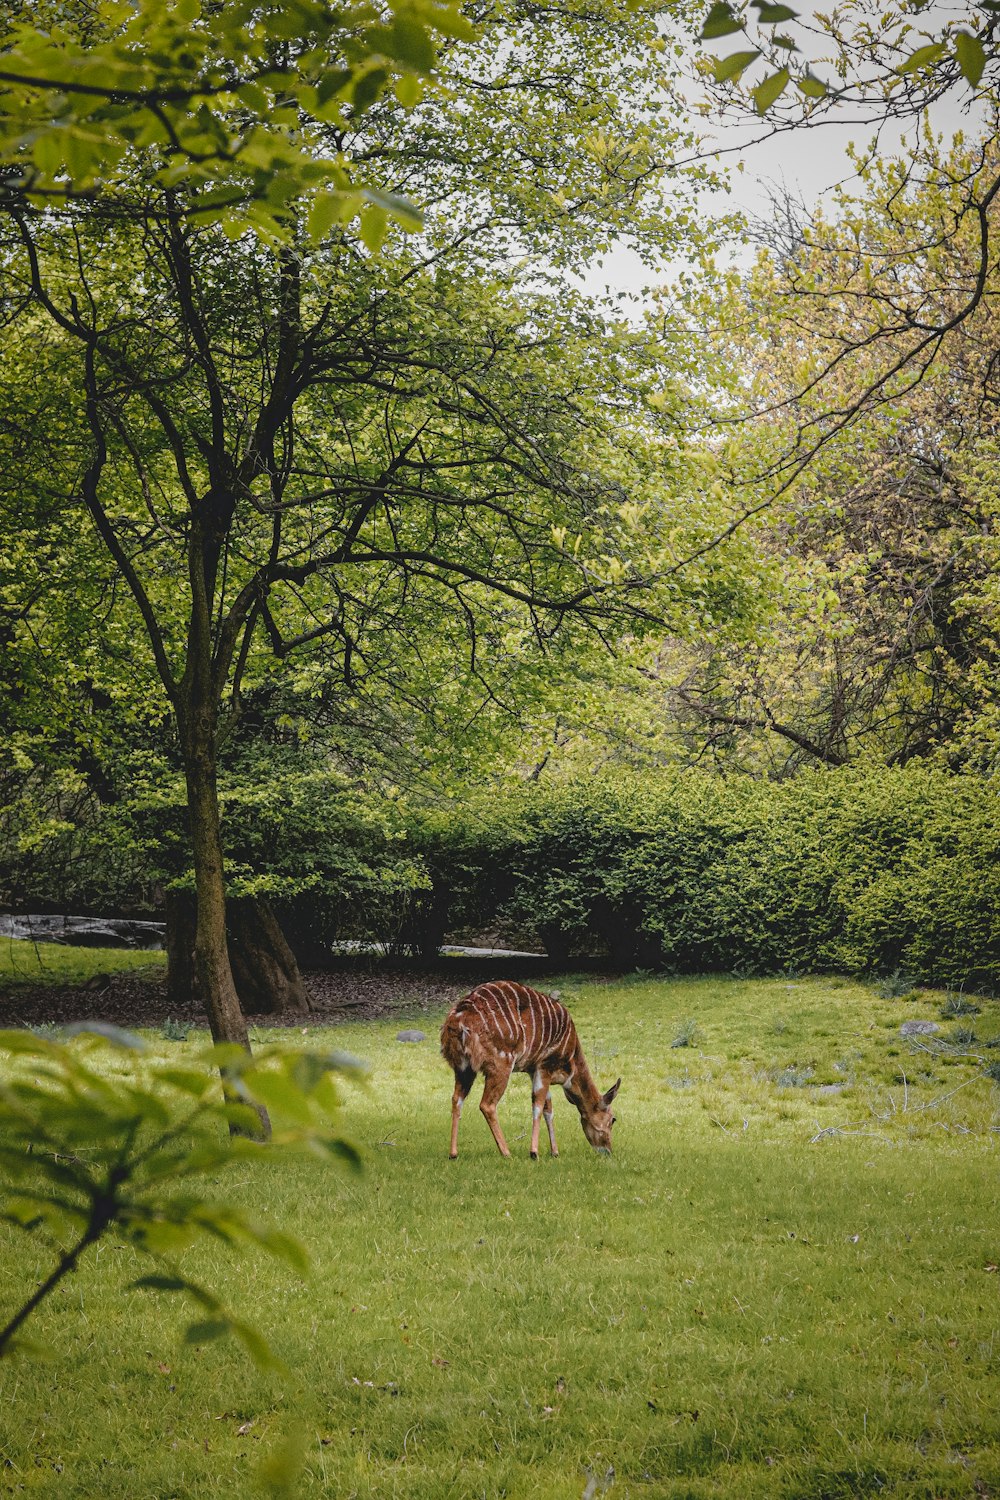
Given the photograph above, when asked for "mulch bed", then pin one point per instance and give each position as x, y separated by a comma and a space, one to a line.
128, 1001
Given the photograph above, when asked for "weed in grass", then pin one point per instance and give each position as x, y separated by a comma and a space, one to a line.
896, 986
992, 1070
846, 1066
963, 1036
688, 1035
958, 1005
779, 1026
175, 1031
792, 1077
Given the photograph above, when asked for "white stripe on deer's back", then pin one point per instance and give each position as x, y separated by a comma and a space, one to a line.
504, 1007
487, 1000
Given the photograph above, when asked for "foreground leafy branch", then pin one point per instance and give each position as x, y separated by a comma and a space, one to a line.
243, 106
97, 1139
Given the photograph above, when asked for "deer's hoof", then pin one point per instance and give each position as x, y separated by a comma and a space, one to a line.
534, 1156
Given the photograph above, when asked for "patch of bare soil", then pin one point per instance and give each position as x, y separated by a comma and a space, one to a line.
345, 995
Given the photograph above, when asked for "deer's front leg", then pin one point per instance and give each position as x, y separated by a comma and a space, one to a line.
539, 1094
497, 1076
463, 1083
547, 1111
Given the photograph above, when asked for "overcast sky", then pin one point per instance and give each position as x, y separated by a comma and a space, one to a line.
809, 162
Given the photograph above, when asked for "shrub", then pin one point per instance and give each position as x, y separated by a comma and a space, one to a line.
873, 871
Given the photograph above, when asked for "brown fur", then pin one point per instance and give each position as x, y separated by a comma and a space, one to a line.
503, 1027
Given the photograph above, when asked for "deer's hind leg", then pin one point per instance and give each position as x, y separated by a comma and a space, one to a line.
497, 1076
464, 1079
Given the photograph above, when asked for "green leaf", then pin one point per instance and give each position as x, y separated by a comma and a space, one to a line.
285, 1247
279, 1093
408, 90
924, 57
765, 94
329, 209
408, 42
159, 1284
114, 1034
732, 66
769, 14
22, 1042
368, 87
720, 21
812, 87
279, 1471
971, 55
374, 227
188, 1080
346, 1152
401, 209
256, 1346
47, 154
28, 1348
254, 97
228, 1057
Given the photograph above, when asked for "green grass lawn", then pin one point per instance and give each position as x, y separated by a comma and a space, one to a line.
57, 963
771, 1290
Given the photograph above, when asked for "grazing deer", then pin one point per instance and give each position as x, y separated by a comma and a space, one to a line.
498, 1029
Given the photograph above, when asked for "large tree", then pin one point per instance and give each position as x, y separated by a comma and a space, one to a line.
299, 442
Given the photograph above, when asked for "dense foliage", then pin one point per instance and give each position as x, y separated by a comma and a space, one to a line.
859, 869
866, 871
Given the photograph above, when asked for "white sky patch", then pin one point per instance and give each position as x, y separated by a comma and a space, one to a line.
807, 162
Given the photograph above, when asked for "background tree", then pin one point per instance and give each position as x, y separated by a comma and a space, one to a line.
884, 644
308, 445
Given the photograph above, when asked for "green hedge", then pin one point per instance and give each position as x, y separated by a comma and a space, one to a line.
865, 871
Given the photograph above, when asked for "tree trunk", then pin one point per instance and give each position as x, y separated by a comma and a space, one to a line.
265, 970
267, 975
212, 970
182, 982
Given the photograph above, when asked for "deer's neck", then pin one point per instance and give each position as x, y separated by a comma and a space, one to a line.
581, 1089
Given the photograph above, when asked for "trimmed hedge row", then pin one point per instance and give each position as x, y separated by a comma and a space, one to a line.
863, 871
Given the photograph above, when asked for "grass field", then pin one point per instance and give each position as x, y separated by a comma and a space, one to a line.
773, 1289
22, 962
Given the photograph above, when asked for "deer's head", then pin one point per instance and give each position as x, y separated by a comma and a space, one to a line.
597, 1122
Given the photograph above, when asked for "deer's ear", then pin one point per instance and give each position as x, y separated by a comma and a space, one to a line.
606, 1099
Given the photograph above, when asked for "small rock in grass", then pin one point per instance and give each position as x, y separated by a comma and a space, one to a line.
420, 1036
918, 1028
